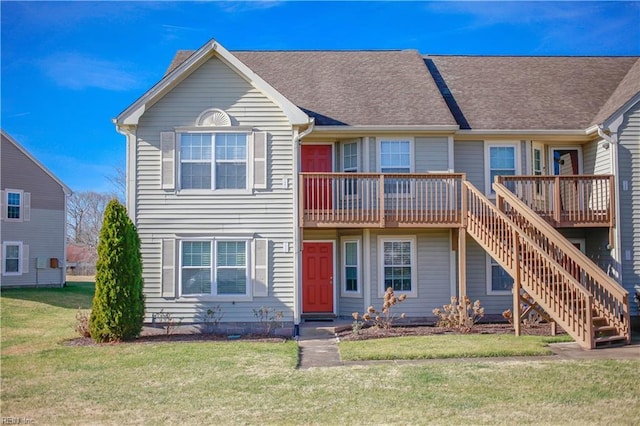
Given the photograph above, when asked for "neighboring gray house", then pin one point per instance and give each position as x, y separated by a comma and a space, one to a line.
310, 181
33, 220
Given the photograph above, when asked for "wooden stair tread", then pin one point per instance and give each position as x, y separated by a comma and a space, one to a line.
609, 339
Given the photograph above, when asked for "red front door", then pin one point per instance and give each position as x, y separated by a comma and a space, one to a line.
317, 190
317, 277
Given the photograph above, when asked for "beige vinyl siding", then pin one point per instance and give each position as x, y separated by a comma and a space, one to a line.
431, 154
45, 235
629, 220
433, 273
469, 159
596, 158
266, 213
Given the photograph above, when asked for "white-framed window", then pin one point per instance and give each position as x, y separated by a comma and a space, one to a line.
501, 159
214, 161
398, 265
11, 258
14, 204
350, 157
217, 268
499, 282
395, 156
351, 267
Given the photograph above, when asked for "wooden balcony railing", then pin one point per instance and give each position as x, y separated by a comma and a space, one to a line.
566, 201
380, 200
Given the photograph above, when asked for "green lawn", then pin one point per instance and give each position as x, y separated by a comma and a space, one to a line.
448, 346
251, 383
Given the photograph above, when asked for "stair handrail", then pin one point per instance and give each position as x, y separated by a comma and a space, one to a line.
558, 239
599, 277
588, 339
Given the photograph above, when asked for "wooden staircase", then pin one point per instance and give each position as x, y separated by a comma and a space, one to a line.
572, 290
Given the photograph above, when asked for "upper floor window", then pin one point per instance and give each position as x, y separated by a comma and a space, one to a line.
213, 161
350, 157
501, 160
14, 204
395, 156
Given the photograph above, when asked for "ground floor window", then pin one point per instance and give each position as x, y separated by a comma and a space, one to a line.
216, 268
398, 264
11, 258
351, 266
499, 281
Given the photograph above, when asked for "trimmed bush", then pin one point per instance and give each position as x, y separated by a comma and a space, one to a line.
118, 303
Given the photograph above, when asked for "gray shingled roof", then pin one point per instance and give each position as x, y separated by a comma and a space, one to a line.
627, 89
531, 92
352, 87
481, 92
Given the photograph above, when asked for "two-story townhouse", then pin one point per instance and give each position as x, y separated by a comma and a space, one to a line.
32, 220
310, 182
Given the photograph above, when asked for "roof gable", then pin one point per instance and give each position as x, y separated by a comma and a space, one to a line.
191, 62
11, 140
626, 90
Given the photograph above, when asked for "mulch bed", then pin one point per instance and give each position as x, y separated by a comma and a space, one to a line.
488, 328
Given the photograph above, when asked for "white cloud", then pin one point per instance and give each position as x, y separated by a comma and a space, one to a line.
233, 6
75, 71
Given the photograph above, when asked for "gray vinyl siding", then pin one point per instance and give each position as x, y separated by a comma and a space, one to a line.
629, 220
20, 172
477, 279
433, 274
45, 235
432, 154
469, 159
266, 213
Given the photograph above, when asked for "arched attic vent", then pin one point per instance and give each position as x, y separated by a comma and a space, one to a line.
213, 117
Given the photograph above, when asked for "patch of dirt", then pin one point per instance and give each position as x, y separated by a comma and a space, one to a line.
484, 328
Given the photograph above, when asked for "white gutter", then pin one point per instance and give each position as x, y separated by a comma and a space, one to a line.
297, 240
613, 145
385, 129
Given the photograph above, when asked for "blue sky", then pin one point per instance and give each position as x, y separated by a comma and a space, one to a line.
68, 68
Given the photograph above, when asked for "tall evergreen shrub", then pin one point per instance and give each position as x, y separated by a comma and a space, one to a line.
118, 303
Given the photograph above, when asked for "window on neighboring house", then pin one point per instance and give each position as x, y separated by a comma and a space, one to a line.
227, 276
213, 160
502, 161
351, 272
11, 258
398, 264
500, 282
350, 165
14, 204
395, 157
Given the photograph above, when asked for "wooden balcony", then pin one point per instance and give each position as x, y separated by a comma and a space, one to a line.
567, 201
367, 200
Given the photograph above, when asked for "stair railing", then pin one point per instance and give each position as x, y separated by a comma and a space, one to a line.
611, 300
538, 273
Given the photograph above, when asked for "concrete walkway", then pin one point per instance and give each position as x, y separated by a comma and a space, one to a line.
318, 348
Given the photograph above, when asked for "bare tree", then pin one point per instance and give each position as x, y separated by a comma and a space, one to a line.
84, 217
119, 181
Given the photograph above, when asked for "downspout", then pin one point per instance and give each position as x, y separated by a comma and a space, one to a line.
297, 240
613, 143
130, 170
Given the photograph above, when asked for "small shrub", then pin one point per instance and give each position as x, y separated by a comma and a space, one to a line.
268, 319
82, 323
211, 319
381, 319
459, 316
169, 322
